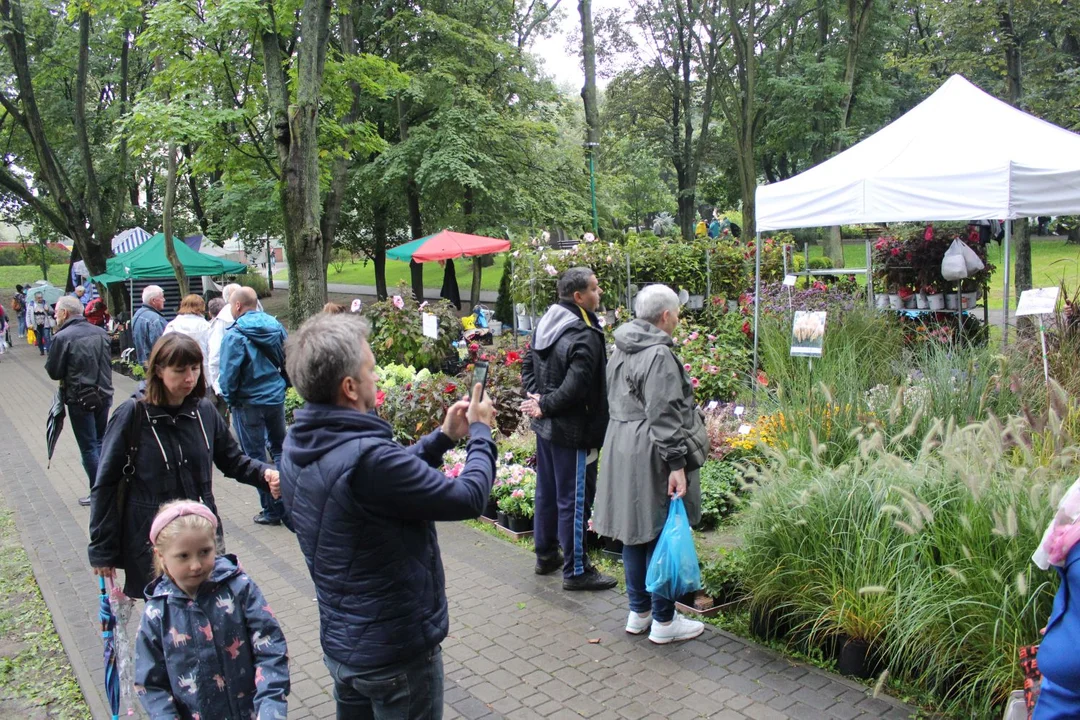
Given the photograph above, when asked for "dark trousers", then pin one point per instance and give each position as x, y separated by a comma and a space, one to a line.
44, 337
410, 690
259, 427
636, 559
89, 429
563, 479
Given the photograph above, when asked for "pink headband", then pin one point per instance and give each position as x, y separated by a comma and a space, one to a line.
179, 510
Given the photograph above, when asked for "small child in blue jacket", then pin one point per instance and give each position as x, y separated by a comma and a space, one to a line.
209, 646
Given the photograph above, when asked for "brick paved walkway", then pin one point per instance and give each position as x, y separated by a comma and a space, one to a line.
518, 645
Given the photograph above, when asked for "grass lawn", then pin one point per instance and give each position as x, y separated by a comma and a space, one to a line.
1052, 261
361, 273
13, 275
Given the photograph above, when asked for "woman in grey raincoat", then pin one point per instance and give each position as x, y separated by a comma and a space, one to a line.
655, 443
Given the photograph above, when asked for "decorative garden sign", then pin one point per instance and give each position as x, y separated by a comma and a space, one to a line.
807, 333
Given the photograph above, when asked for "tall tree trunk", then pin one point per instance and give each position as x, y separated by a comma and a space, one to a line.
588, 90
295, 126
196, 196
470, 227
379, 231
269, 266
412, 201
1014, 92
167, 221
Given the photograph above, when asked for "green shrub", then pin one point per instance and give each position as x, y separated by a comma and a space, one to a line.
720, 482
724, 575
504, 304
10, 257
926, 557
397, 331
293, 402
255, 281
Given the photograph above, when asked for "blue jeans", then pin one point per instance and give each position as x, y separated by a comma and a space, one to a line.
636, 560
89, 429
259, 427
22, 324
44, 338
410, 690
563, 481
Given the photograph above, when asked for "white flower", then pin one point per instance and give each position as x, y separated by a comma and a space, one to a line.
589, 237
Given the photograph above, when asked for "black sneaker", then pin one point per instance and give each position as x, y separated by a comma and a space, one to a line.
547, 564
591, 579
261, 519
85, 502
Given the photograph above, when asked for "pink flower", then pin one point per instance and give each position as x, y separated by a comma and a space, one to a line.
398, 302
519, 493
589, 237
686, 341
694, 335
713, 369
712, 338
686, 367
423, 305
551, 269
694, 382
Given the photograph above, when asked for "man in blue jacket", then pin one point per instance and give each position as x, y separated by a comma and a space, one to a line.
253, 385
148, 324
364, 510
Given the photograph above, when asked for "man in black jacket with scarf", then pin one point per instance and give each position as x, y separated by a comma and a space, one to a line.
564, 376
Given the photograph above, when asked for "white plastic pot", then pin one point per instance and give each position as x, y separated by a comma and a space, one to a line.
896, 302
935, 301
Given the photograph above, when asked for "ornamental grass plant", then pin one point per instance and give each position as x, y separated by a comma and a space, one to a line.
924, 555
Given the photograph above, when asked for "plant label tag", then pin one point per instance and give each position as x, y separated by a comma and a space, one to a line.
739, 410
744, 429
789, 281
1040, 301
712, 405
431, 326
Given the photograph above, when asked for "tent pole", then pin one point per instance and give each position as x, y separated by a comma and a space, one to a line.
757, 310
870, 275
1005, 304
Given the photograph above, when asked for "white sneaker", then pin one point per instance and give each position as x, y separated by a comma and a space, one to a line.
678, 629
637, 624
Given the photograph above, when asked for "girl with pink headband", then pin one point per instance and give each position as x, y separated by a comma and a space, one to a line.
209, 645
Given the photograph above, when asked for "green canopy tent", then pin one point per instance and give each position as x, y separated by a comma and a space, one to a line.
148, 260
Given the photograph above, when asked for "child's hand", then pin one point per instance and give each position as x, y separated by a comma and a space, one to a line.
273, 479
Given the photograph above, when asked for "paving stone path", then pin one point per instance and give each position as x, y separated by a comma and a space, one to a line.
518, 646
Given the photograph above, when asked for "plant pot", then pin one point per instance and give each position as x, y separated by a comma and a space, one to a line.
496, 328
519, 524
896, 302
858, 659
696, 302
921, 302
612, 547
768, 623
881, 301
935, 301
503, 519
969, 299
909, 302
524, 323
491, 510
952, 301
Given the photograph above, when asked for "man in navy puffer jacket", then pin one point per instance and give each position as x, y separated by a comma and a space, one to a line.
364, 510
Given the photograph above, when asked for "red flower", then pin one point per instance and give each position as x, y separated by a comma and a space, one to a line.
450, 388
512, 357
473, 347
747, 329
762, 378
380, 398
929, 234
895, 251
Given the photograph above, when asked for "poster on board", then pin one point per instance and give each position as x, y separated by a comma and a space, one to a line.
807, 333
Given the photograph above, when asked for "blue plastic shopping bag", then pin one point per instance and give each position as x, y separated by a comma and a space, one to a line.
674, 570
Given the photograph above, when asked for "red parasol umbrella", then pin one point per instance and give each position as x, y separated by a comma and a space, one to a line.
447, 245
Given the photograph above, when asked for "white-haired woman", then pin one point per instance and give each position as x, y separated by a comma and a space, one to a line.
655, 443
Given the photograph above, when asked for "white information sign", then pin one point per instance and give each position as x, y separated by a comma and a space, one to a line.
431, 326
1040, 301
808, 333
789, 281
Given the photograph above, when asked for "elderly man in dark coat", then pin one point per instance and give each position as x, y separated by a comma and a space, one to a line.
655, 443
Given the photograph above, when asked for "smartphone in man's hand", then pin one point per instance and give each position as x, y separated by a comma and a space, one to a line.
480, 375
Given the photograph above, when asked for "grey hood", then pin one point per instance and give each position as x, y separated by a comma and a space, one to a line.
638, 335
557, 320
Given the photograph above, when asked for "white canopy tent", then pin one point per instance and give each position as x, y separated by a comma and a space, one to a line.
959, 155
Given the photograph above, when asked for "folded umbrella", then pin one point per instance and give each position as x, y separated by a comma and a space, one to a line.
108, 628
54, 425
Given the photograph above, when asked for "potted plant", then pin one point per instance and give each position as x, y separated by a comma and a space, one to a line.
907, 297
934, 299
518, 506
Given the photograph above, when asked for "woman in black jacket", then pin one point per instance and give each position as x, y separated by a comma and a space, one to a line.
160, 445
